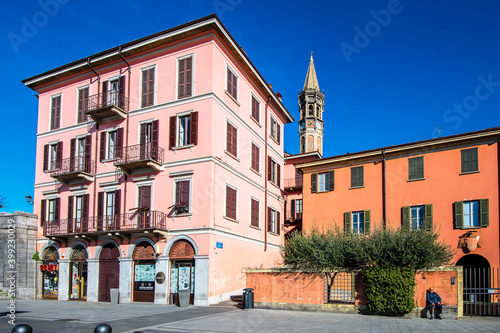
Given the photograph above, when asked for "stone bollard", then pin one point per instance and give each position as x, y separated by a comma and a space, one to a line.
22, 328
103, 328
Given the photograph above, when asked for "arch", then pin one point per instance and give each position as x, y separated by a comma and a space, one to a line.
103, 244
310, 143
139, 240
50, 244
144, 251
109, 252
79, 252
73, 245
311, 111
473, 261
182, 249
50, 253
174, 240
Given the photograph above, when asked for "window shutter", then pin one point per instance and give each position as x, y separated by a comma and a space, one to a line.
278, 172
428, 218
484, 210
154, 134
361, 176
405, 211
45, 157
194, 128
235, 141
87, 163
85, 207
420, 167
142, 134
269, 219
71, 198
269, 168
144, 88
59, 155
145, 200
367, 221
57, 208
171, 141
102, 152
105, 93
331, 180
151, 86
353, 177
181, 79
278, 222
347, 222
43, 212
459, 214
278, 133
119, 143
292, 210
189, 76
100, 210
117, 201
184, 198
314, 182
473, 159
411, 169
121, 92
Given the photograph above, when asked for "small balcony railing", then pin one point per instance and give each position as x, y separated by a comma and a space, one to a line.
140, 156
107, 104
138, 220
293, 182
293, 216
73, 168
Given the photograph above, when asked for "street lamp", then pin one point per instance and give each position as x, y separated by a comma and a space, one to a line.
29, 199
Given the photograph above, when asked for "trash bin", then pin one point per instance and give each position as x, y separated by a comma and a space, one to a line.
114, 295
248, 298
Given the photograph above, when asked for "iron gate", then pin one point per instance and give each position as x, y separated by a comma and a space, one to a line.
481, 291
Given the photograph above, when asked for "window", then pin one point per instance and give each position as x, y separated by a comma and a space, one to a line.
298, 206
113, 92
149, 140
51, 216
55, 113
83, 104
274, 172
323, 182
185, 77
357, 176
471, 214
357, 222
232, 140
230, 203
416, 168
232, 84
275, 130
78, 212
109, 212
108, 207
148, 87
49, 210
111, 144
296, 209
182, 193
80, 154
255, 109
183, 130
52, 157
112, 138
255, 157
254, 220
469, 160
273, 221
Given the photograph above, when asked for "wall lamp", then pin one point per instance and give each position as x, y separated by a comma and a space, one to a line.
29, 199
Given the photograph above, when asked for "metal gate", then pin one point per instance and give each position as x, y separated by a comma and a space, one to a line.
481, 291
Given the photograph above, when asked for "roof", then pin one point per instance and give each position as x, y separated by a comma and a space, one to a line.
204, 24
311, 78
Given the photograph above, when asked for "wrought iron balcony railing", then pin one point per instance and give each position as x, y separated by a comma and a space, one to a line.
72, 165
293, 215
141, 152
293, 182
107, 99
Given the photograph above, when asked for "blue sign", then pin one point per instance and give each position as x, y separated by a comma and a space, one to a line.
219, 245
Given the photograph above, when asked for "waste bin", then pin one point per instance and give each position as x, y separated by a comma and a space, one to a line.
114, 295
248, 298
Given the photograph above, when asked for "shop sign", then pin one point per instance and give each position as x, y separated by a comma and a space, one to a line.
48, 267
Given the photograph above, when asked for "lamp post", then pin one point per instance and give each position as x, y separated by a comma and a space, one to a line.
29, 199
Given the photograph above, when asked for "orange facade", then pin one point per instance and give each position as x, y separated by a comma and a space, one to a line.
452, 186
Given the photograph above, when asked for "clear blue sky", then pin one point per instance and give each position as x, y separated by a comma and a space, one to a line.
392, 71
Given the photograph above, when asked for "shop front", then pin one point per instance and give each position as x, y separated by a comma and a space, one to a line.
144, 273
78, 274
181, 272
50, 273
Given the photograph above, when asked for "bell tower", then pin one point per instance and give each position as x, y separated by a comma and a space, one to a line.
311, 104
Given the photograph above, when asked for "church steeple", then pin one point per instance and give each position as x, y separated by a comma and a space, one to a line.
311, 104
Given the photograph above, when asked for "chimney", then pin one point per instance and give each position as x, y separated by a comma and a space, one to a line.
280, 97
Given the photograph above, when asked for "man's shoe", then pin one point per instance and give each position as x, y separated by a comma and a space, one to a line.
431, 318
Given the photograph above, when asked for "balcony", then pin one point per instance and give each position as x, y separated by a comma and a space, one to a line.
293, 183
140, 156
72, 169
120, 225
106, 106
293, 216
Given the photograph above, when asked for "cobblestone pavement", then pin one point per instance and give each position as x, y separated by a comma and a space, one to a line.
79, 317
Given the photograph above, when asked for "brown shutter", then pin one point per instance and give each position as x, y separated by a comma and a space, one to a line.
269, 168
57, 207
59, 155
189, 76
185, 77
43, 211
278, 174
181, 80
105, 93
121, 92
194, 128
172, 135
143, 134
292, 209
269, 219
154, 139
88, 141
144, 88
314, 182
278, 222
119, 143
148, 87
71, 198
278, 133
45, 157
100, 210
103, 146
58, 112
85, 206
145, 196
117, 202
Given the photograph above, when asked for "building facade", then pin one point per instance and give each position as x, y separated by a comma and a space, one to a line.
158, 170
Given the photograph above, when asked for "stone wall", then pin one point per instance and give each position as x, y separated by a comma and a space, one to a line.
18, 232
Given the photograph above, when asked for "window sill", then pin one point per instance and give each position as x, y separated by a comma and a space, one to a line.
255, 228
109, 160
231, 155
415, 180
275, 185
256, 121
356, 187
272, 233
232, 97
274, 139
230, 219
471, 228
468, 173
256, 172
175, 149
183, 215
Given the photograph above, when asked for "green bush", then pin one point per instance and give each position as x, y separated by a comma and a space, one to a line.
389, 289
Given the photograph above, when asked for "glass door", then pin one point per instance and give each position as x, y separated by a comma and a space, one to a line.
78, 280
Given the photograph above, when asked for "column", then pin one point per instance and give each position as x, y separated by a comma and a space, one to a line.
92, 280
126, 276
201, 280
63, 279
39, 280
161, 290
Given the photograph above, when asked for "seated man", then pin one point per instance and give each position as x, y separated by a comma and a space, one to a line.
434, 304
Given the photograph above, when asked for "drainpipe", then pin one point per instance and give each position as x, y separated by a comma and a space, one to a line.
498, 168
96, 143
265, 178
384, 192
127, 126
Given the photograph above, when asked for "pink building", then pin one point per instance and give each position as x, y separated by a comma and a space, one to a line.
158, 170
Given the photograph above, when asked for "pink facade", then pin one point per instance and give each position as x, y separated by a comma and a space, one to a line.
163, 154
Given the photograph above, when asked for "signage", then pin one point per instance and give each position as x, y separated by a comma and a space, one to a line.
160, 277
219, 245
48, 267
145, 286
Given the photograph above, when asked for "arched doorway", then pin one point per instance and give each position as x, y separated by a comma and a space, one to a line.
50, 273
78, 274
144, 273
109, 271
181, 256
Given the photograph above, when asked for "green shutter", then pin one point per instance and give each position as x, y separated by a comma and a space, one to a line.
473, 159
465, 160
406, 217
428, 218
412, 169
459, 214
420, 167
361, 176
314, 182
483, 208
347, 222
367, 222
353, 177
331, 179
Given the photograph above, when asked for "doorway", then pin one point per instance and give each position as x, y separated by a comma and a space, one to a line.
182, 270
144, 273
109, 272
78, 274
